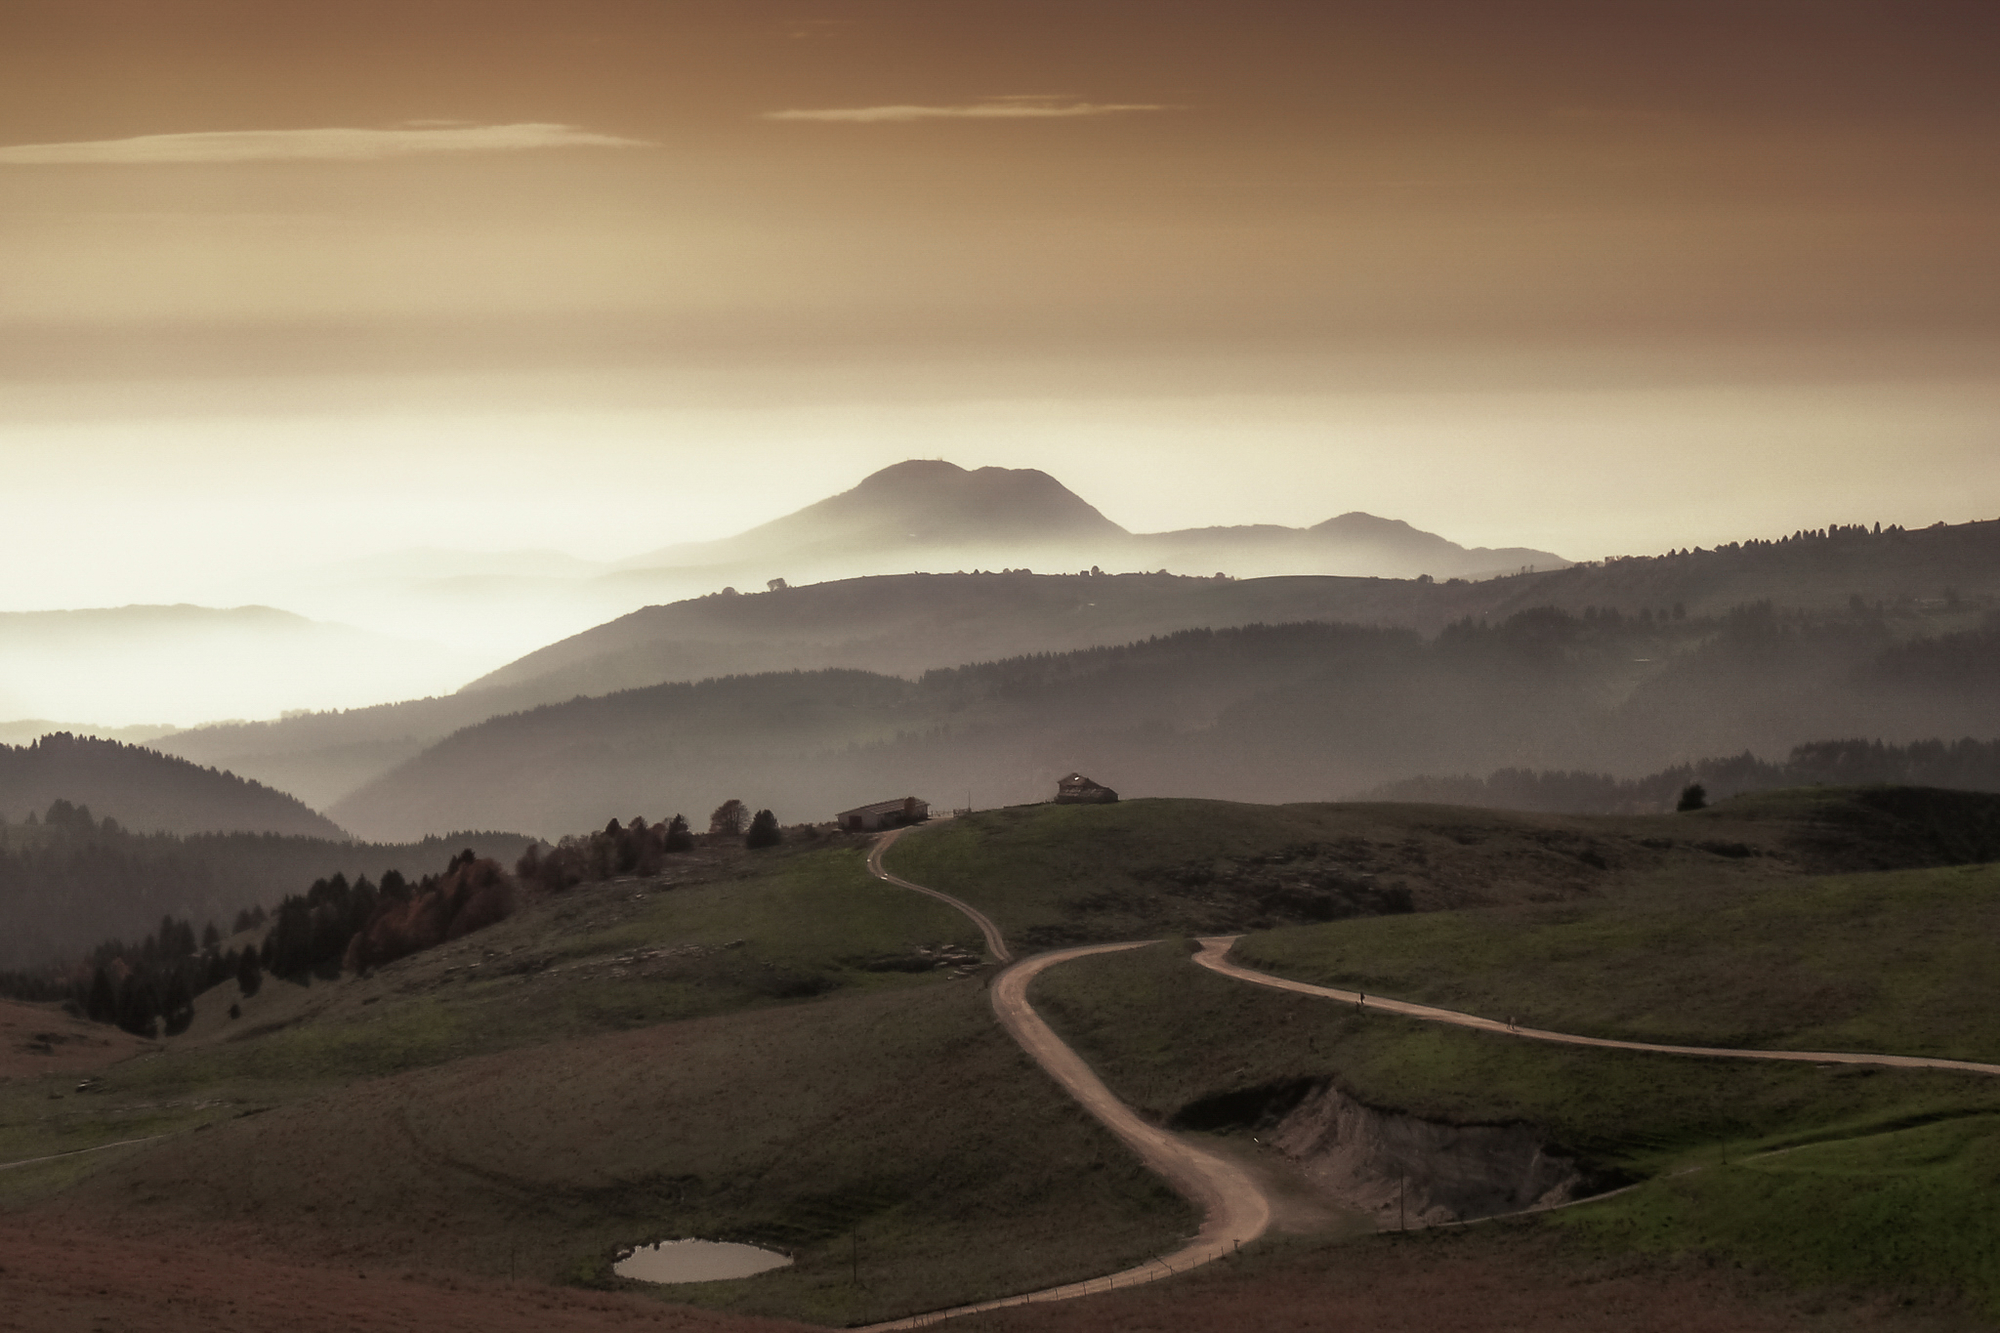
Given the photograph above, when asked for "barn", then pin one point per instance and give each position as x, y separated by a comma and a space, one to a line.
1076, 789
884, 814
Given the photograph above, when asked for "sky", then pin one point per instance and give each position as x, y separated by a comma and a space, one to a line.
288, 284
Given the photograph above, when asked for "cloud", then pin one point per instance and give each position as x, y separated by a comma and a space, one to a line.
1017, 107
327, 145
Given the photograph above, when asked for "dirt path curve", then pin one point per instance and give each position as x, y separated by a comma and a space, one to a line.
1235, 1209
996, 944
1213, 956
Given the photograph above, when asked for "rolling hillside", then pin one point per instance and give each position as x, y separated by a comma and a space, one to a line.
1272, 713
1929, 584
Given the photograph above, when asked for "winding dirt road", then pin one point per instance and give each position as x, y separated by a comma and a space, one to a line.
1214, 956
996, 944
1235, 1209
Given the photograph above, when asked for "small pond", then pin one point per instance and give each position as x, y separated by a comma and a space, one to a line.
697, 1261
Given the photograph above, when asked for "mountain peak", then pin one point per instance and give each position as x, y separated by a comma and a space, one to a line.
933, 500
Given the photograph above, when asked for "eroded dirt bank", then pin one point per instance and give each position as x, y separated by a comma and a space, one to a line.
1396, 1167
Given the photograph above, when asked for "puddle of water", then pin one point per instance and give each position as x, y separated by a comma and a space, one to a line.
697, 1261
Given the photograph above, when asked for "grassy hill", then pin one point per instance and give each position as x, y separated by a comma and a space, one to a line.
1884, 1181
1886, 961
754, 1046
1055, 874
738, 1049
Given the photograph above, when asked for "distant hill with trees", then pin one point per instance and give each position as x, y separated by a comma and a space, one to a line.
1962, 765
1921, 583
72, 879
1262, 713
147, 791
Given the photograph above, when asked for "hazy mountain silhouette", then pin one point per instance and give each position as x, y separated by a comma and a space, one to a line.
909, 624
937, 512
144, 664
919, 505
27, 730
1265, 713
901, 625
1353, 544
145, 790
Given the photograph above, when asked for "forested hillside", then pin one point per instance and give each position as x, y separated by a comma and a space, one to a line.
1265, 713
70, 880
147, 791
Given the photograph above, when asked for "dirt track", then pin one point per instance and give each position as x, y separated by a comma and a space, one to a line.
1235, 1209
1215, 949
996, 944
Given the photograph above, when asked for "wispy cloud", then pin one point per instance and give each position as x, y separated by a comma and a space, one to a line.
327, 145
1019, 107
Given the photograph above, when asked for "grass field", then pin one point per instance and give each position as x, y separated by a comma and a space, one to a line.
753, 1047
1496, 1278
1898, 962
899, 1137
722, 1055
1057, 874
1882, 1163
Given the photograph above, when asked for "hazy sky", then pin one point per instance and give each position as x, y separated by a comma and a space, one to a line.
289, 283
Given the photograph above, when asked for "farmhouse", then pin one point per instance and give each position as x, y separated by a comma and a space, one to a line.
884, 814
1076, 789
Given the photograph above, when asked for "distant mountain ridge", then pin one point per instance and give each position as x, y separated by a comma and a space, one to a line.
908, 624
147, 791
1263, 712
1022, 516
126, 665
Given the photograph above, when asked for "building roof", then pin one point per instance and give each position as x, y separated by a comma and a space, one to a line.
884, 807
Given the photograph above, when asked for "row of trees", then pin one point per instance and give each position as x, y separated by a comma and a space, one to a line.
640, 848
354, 925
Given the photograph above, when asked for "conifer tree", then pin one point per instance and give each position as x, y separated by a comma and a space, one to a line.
102, 1006
249, 976
680, 838
763, 831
